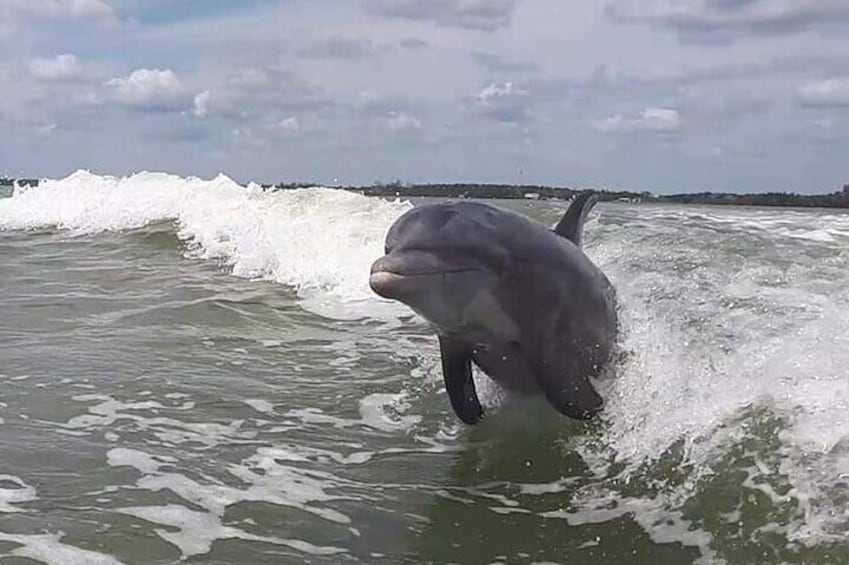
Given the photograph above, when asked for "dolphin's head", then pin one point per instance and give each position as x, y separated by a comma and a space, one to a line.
442, 260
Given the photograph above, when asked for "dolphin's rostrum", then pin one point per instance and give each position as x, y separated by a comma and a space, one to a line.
519, 300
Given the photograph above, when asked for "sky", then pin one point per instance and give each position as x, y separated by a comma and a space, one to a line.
658, 95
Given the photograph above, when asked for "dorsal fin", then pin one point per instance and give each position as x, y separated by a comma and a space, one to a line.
572, 223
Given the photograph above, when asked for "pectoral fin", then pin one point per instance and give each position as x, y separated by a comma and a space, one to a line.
457, 371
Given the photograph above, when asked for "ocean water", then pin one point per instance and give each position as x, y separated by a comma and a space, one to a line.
195, 371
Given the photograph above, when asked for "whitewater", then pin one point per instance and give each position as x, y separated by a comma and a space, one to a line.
195, 369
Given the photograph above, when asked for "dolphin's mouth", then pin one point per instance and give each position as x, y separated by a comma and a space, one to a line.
392, 281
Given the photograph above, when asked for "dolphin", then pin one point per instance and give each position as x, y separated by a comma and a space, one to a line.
521, 301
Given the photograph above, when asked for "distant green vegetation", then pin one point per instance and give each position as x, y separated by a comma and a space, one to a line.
839, 199
11, 182
833, 200
508, 191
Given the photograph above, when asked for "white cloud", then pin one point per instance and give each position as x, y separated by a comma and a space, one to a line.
200, 106
662, 120
497, 91
289, 125
827, 93
150, 89
485, 15
96, 9
256, 92
498, 64
255, 78
549, 53
403, 122
61, 68
340, 48
772, 17
15, 11
504, 102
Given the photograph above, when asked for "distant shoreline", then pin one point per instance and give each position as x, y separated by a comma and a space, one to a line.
839, 199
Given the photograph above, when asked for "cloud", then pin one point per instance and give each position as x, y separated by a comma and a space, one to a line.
503, 102
413, 43
64, 67
259, 92
830, 93
14, 12
288, 125
483, 15
497, 91
659, 120
200, 105
507, 72
496, 63
277, 81
151, 89
340, 48
735, 109
95, 9
372, 103
726, 19
401, 122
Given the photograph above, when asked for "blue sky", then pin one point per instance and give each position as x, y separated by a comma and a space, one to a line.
659, 95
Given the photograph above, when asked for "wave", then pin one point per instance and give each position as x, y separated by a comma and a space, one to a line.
735, 323
318, 241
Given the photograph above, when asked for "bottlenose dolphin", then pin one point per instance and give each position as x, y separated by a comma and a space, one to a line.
519, 300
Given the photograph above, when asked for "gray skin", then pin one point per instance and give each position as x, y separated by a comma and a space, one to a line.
519, 300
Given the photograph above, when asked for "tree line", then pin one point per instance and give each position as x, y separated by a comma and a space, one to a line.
839, 199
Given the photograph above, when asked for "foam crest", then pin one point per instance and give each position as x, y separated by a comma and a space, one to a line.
704, 338
724, 320
810, 225
318, 241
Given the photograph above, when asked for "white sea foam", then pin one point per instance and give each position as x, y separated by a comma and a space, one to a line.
651, 514
712, 334
141, 461
318, 241
196, 531
260, 405
171, 431
384, 411
49, 549
13, 490
44, 548
269, 480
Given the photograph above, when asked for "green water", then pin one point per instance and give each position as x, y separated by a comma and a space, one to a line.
155, 408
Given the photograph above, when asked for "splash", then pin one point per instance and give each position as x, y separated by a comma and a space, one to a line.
735, 329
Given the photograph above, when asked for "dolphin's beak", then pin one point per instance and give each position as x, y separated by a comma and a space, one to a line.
383, 280
399, 276
387, 281
386, 284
